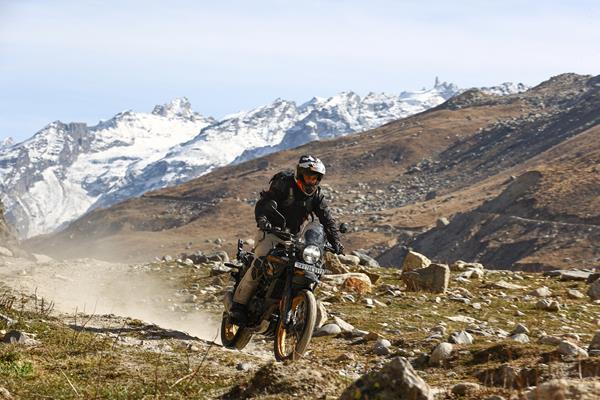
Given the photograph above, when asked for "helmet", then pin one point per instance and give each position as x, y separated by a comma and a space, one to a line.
309, 166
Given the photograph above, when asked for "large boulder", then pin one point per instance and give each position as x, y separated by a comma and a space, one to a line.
433, 278
414, 260
333, 264
366, 260
396, 380
352, 281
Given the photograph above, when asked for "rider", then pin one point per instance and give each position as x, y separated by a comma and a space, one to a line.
297, 196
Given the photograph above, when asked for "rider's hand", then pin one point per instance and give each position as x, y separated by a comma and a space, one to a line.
264, 224
338, 247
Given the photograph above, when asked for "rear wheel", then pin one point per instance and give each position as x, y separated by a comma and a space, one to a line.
291, 341
233, 336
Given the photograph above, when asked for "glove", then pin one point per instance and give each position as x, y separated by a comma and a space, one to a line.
264, 224
338, 247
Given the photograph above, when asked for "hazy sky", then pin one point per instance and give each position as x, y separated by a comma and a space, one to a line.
88, 60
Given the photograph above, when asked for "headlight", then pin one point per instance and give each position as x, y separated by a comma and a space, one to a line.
311, 254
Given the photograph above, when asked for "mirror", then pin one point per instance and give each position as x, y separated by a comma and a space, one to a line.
273, 215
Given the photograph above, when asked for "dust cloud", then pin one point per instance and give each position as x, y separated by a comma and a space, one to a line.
99, 288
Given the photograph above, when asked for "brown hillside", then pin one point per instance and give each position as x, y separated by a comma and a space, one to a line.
455, 156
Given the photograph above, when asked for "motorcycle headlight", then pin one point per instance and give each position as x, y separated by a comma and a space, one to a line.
311, 254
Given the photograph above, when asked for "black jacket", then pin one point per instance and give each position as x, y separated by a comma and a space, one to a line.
296, 206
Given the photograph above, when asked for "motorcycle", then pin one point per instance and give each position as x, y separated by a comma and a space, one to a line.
283, 307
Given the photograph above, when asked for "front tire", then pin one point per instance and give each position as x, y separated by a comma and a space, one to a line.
291, 342
232, 335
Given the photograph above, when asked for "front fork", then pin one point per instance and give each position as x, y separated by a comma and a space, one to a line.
286, 301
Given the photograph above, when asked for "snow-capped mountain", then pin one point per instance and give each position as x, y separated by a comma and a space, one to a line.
65, 170
6, 142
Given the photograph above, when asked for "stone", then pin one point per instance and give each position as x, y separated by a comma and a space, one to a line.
595, 344
7, 320
574, 275
18, 337
461, 389
334, 265
461, 265
520, 337
593, 277
328, 330
547, 305
594, 290
345, 357
167, 258
550, 340
395, 380
434, 278
322, 315
414, 260
543, 291
565, 389
575, 294
365, 259
570, 349
442, 222
505, 285
520, 328
349, 260
5, 394
382, 347
6, 252
219, 269
344, 326
243, 366
462, 337
42, 258
354, 281
495, 397
188, 262
440, 353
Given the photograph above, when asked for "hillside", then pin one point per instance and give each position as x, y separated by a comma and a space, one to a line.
393, 182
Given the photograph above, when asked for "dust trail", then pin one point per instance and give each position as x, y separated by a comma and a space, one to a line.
97, 287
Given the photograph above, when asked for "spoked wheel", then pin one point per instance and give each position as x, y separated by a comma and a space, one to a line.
291, 341
232, 336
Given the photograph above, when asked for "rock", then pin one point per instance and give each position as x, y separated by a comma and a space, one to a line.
574, 275
345, 357
344, 326
382, 347
520, 337
322, 315
188, 262
462, 318
461, 389
565, 389
442, 222
541, 292
349, 260
594, 290
373, 277
396, 380
520, 328
434, 278
462, 337
414, 260
570, 349
7, 320
167, 258
595, 344
6, 252
575, 294
243, 366
550, 340
219, 255
366, 260
461, 265
505, 375
442, 352
328, 330
42, 258
547, 305
432, 194
333, 264
495, 397
219, 269
5, 394
353, 277
504, 285
593, 277
18, 337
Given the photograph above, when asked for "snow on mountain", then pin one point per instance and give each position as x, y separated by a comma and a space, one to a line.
6, 142
65, 170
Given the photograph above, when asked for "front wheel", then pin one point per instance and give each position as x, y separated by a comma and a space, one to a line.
291, 341
233, 336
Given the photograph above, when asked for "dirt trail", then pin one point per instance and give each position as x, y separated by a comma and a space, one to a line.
100, 288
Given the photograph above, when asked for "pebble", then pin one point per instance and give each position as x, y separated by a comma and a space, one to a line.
462, 337
520, 328
520, 337
442, 352
328, 330
463, 388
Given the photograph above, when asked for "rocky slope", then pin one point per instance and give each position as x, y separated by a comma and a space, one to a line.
395, 181
65, 170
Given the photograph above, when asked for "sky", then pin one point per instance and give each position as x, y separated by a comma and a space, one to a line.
85, 61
